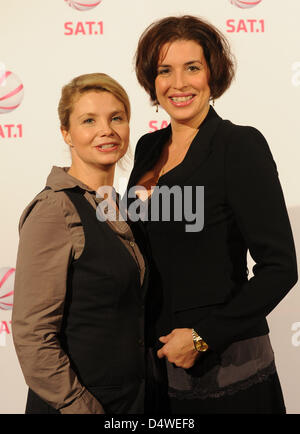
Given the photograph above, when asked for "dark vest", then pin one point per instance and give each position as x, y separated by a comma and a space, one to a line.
102, 330
103, 326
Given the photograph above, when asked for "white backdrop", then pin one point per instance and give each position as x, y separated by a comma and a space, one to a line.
45, 43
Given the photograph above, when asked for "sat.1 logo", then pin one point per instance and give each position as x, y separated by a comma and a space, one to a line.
7, 279
11, 96
11, 91
83, 5
83, 28
245, 25
245, 4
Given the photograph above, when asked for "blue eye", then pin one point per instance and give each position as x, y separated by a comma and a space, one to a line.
117, 118
88, 121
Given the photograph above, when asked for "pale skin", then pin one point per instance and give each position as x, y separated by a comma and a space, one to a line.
97, 119
182, 89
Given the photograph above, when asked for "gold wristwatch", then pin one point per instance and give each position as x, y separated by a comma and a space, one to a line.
199, 343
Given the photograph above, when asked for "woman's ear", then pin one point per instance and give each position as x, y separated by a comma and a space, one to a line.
67, 137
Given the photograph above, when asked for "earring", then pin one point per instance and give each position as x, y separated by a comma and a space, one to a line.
156, 107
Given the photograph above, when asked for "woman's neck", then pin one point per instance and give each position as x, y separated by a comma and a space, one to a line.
182, 134
185, 131
93, 176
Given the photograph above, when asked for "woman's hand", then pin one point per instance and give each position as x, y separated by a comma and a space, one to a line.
179, 348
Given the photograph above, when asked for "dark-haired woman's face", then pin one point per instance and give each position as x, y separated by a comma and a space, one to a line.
182, 82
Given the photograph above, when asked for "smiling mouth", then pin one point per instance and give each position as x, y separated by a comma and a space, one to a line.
182, 101
181, 98
110, 145
107, 147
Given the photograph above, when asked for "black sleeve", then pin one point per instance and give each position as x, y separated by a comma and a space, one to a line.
255, 196
138, 154
140, 147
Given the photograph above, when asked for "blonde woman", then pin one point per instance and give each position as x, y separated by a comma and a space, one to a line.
79, 289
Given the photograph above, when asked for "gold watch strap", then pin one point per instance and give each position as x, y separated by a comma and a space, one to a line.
199, 344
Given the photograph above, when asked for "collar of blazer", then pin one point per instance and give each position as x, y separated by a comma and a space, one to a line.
151, 146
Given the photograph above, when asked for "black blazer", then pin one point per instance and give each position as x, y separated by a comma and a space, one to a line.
204, 274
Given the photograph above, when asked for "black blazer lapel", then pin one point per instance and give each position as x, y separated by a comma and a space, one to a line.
197, 154
152, 145
151, 148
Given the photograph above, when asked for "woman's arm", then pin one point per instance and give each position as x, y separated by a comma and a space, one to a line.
44, 255
256, 198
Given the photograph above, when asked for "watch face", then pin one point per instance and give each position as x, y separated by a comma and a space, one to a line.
201, 345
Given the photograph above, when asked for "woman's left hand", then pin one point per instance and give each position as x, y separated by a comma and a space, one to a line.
179, 348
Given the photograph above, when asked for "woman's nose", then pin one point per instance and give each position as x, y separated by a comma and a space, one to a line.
179, 80
105, 129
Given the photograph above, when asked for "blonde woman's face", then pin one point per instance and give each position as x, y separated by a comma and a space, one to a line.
99, 129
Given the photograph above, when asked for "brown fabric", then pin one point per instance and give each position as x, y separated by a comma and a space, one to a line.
51, 235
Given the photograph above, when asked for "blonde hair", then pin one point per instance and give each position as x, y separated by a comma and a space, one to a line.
98, 82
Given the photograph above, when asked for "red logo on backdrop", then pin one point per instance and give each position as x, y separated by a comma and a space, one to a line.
11, 91
155, 125
245, 25
83, 27
11, 95
245, 4
7, 280
83, 5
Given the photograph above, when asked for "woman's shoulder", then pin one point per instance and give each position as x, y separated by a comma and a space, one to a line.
242, 138
47, 205
244, 145
147, 141
235, 132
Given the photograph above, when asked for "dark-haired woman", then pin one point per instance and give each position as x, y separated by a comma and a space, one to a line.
208, 318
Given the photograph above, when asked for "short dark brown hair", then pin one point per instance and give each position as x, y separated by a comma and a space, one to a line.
218, 56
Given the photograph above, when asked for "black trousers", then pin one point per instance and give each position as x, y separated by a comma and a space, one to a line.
36, 405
